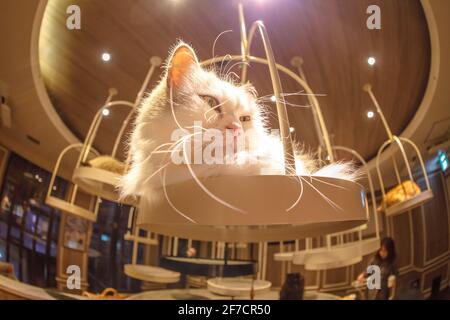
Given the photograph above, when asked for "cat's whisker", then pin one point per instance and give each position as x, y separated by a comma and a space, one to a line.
156, 151
169, 201
155, 172
290, 104
223, 70
269, 97
234, 65
206, 190
297, 105
232, 73
299, 197
215, 107
172, 108
215, 41
228, 56
211, 117
328, 200
174, 146
327, 183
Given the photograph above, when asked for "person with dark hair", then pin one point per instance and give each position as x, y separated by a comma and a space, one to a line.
293, 288
385, 260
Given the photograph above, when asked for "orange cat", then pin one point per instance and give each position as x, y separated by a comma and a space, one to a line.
107, 163
400, 193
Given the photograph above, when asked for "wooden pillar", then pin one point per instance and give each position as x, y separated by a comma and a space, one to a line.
73, 245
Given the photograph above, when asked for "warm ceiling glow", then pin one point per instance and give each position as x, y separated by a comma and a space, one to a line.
370, 114
371, 61
273, 98
106, 56
105, 112
291, 129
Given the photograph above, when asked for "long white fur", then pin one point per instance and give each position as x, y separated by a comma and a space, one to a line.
156, 120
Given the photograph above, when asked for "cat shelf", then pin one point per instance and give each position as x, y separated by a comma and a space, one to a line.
410, 203
331, 256
288, 256
398, 145
237, 287
70, 206
337, 257
151, 273
141, 271
101, 176
342, 253
144, 240
100, 182
209, 267
258, 208
263, 215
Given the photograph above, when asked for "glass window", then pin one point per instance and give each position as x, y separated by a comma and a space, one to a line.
28, 227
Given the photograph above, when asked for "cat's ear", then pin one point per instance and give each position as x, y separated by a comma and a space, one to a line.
183, 58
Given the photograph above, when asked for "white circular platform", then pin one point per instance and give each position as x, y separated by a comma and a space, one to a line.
263, 202
336, 256
204, 294
70, 208
235, 287
283, 256
410, 203
101, 183
151, 273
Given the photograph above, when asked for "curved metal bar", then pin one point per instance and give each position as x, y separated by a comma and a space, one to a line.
298, 62
58, 162
88, 139
97, 121
405, 158
422, 164
380, 177
244, 43
283, 119
289, 73
369, 178
397, 173
282, 113
57, 165
398, 140
368, 88
154, 62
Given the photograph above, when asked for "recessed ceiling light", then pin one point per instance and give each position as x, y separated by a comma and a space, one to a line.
371, 61
291, 129
273, 98
106, 56
370, 114
106, 112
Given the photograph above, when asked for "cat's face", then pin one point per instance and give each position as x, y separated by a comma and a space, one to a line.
201, 95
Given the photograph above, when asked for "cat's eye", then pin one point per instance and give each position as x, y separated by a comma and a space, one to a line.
212, 102
245, 118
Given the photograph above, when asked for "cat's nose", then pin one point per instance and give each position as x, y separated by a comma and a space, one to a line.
235, 127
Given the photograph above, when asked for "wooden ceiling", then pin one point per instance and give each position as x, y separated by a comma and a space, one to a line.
330, 35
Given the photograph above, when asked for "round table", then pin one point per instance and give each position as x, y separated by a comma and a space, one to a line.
204, 294
235, 287
151, 273
208, 267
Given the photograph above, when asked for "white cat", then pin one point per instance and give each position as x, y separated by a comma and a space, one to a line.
190, 98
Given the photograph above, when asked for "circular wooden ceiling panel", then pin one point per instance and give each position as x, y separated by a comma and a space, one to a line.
330, 35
